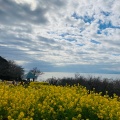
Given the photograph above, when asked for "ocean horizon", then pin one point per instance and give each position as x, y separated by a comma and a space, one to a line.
47, 75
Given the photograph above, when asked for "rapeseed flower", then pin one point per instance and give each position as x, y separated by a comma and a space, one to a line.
40, 101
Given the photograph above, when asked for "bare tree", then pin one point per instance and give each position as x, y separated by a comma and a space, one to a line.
36, 72
15, 71
10, 70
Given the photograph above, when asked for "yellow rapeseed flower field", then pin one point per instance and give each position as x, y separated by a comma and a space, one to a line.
46, 102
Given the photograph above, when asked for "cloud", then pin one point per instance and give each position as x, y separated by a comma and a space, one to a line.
15, 13
61, 33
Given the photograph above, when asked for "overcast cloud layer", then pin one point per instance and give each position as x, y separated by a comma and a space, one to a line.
61, 35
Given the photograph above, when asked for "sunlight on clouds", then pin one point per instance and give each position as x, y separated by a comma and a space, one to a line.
32, 3
3, 45
20, 62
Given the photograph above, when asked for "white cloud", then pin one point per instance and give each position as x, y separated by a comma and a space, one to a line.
32, 3
59, 32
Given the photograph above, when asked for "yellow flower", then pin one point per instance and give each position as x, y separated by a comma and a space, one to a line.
31, 118
9, 117
79, 116
74, 118
21, 115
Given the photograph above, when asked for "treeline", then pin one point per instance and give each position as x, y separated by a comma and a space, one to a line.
9, 70
105, 86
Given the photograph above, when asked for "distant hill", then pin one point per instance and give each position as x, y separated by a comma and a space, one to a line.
3, 60
4, 65
9, 70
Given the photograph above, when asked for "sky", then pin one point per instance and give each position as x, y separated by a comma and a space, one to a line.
61, 35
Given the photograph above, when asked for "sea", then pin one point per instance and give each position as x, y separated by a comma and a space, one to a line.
46, 75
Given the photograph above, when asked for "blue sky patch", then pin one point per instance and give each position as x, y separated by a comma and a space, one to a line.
70, 39
82, 29
105, 13
99, 32
86, 19
64, 34
104, 25
95, 42
80, 44
75, 16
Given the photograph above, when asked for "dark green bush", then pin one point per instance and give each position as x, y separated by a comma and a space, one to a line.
111, 86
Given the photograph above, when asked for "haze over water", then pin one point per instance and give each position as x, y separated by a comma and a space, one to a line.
48, 75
